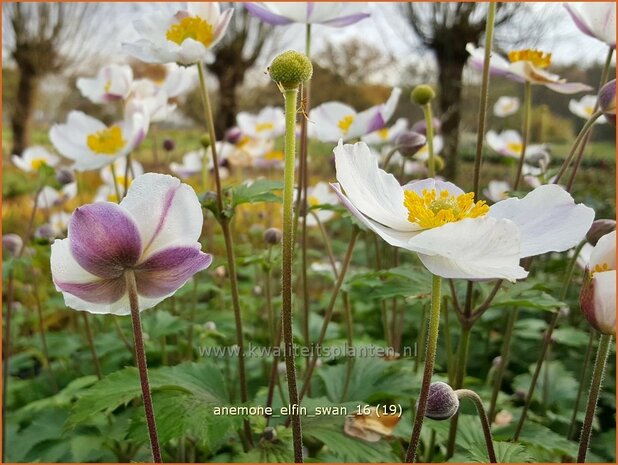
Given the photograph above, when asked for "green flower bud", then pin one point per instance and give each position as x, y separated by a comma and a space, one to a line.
205, 141
290, 69
422, 95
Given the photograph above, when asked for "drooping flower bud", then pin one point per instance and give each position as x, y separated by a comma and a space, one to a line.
210, 326
422, 95
410, 142
442, 402
421, 126
607, 101
233, 135
290, 69
272, 236
269, 434
64, 177
45, 233
599, 229
169, 145
12, 243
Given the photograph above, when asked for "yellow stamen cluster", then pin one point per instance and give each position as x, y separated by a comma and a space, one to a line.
107, 141
312, 200
191, 27
536, 57
261, 127
274, 155
36, 163
431, 209
345, 123
383, 133
600, 267
515, 147
108, 85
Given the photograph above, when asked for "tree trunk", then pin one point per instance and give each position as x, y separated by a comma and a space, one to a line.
229, 81
23, 110
450, 85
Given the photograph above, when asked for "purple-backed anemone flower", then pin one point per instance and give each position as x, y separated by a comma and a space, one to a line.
607, 101
328, 13
595, 19
152, 233
454, 235
334, 120
524, 66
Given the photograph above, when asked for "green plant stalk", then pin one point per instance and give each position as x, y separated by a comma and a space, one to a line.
504, 361
429, 123
39, 311
420, 339
5, 356
116, 188
93, 350
447, 338
229, 250
286, 271
474, 397
580, 390
329, 249
430, 357
140, 357
350, 342
480, 135
120, 333
387, 328
546, 342
525, 132
460, 374
605, 342
192, 320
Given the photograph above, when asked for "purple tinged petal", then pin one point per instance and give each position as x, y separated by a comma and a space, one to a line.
266, 15
169, 269
104, 291
310, 6
346, 20
607, 97
103, 239
568, 87
578, 20
376, 122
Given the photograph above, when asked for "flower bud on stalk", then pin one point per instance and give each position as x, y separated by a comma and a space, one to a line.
442, 402
607, 101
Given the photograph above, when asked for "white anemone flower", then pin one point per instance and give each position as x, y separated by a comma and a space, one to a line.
595, 19
598, 294
50, 197
112, 82
524, 66
123, 176
387, 135
454, 236
191, 164
510, 143
584, 108
185, 37
153, 99
334, 120
59, 223
178, 81
34, 158
506, 106
92, 145
497, 190
269, 123
320, 194
337, 14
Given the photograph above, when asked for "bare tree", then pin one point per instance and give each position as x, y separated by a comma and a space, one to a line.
445, 28
246, 39
42, 39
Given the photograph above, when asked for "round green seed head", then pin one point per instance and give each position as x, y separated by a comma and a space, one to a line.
422, 94
205, 141
290, 69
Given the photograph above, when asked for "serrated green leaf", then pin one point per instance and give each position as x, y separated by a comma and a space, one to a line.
262, 190
506, 452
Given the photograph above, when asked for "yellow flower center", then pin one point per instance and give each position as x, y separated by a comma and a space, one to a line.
36, 163
536, 57
312, 200
345, 123
383, 133
274, 155
107, 141
432, 209
191, 27
589, 110
600, 267
107, 86
261, 127
515, 147
112, 198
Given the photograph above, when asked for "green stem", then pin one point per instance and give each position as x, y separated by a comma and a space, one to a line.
329, 249
140, 357
116, 188
525, 132
286, 270
460, 374
6, 353
605, 342
93, 350
429, 123
504, 360
39, 311
480, 135
350, 343
192, 320
580, 390
430, 357
474, 397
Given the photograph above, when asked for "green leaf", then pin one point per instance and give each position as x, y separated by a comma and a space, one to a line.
506, 452
561, 388
261, 190
527, 295
539, 436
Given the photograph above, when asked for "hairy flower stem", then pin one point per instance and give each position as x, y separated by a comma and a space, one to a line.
329, 249
547, 342
525, 132
605, 343
429, 123
504, 361
350, 341
140, 357
460, 373
290, 96
580, 390
190, 351
474, 397
6, 352
430, 357
93, 350
480, 135
224, 221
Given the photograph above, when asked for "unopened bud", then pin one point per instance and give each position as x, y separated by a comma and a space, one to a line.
442, 402
607, 101
272, 236
410, 142
233, 135
220, 272
290, 69
496, 362
169, 145
281, 368
421, 126
45, 232
205, 141
422, 95
12, 243
210, 326
64, 177
269, 434
599, 229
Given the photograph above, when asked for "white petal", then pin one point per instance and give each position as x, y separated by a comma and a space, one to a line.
166, 211
374, 192
548, 219
604, 252
326, 118
209, 11
605, 300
